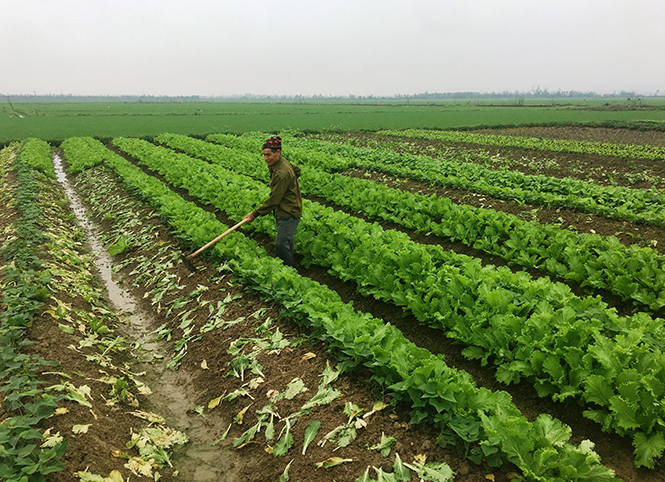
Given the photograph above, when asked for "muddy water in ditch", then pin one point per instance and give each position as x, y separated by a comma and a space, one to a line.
199, 460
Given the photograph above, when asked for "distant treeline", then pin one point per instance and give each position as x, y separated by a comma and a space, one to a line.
534, 94
516, 95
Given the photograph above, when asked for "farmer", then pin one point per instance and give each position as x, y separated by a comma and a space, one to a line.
285, 201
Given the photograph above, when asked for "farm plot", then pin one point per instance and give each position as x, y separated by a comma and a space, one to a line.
532, 330
497, 342
287, 374
155, 158
287, 363
239, 356
196, 317
447, 393
234, 143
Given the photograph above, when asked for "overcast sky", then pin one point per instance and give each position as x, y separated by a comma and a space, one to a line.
336, 47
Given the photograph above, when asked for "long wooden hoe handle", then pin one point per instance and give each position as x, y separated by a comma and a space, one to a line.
217, 238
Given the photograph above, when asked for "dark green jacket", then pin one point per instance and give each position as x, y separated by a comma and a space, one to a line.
285, 199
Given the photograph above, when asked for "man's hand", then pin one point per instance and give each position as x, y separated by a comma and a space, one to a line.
249, 217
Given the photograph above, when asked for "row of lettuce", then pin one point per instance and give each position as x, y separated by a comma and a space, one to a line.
633, 273
612, 149
24, 290
534, 329
634, 205
486, 423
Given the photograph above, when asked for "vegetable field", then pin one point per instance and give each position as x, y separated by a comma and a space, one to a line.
59, 120
467, 306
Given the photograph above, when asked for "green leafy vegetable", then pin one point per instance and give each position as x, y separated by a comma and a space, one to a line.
384, 445
310, 433
324, 396
120, 247
285, 475
400, 470
285, 442
434, 472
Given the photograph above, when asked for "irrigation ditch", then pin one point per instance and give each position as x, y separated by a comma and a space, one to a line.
196, 461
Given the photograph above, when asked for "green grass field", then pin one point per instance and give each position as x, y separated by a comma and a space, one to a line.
58, 120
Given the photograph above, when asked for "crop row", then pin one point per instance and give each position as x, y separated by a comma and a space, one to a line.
533, 329
629, 151
486, 422
635, 205
47, 265
633, 273
24, 289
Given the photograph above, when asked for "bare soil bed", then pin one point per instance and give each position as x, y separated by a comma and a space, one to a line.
593, 134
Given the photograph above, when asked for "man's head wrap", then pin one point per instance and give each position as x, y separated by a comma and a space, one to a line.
275, 142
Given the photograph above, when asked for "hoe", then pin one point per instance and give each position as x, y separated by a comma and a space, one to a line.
187, 260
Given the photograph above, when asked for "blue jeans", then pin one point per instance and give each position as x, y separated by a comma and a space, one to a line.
284, 241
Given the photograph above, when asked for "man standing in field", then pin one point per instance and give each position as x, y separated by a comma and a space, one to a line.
285, 201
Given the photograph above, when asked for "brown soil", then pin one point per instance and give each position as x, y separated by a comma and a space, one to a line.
592, 134
202, 382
